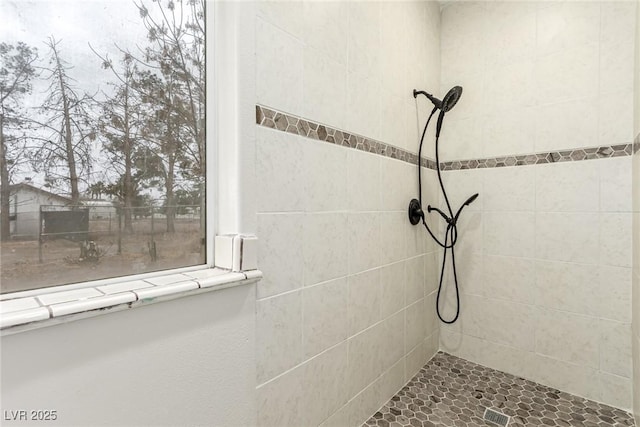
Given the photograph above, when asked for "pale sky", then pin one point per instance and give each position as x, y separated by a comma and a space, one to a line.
102, 23
76, 23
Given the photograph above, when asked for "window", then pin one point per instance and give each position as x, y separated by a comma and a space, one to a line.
102, 125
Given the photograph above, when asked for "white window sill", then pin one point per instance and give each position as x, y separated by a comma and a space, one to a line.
49, 307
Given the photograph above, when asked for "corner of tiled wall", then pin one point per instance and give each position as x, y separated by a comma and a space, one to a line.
546, 281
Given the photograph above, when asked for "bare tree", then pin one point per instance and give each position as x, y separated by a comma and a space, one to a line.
64, 153
164, 136
176, 86
120, 123
176, 31
16, 73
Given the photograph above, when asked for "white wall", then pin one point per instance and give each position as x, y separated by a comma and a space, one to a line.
189, 361
344, 314
545, 259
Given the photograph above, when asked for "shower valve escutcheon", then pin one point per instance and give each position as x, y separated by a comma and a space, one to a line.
415, 212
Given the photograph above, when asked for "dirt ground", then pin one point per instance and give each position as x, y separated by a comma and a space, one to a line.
20, 268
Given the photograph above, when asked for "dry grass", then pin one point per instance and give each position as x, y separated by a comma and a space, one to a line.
20, 268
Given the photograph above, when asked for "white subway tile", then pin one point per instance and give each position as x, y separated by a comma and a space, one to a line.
326, 28
568, 286
324, 88
414, 287
278, 335
613, 293
364, 241
414, 361
615, 184
576, 379
507, 323
365, 358
570, 337
567, 237
392, 283
365, 300
509, 233
393, 245
615, 348
325, 177
616, 117
324, 314
280, 253
509, 278
285, 15
280, 402
325, 247
509, 189
566, 125
568, 187
278, 82
616, 239
363, 181
567, 24
391, 340
325, 384
279, 171
615, 391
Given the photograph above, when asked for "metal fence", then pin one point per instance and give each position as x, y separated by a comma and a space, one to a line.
66, 244
117, 225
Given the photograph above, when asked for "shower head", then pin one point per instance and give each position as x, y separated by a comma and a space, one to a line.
451, 98
447, 103
466, 203
471, 199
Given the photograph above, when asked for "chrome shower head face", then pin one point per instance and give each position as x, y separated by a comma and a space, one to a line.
451, 98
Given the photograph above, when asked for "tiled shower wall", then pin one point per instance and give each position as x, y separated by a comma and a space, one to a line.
545, 254
345, 315
636, 230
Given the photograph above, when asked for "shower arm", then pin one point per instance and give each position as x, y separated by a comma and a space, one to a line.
442, 214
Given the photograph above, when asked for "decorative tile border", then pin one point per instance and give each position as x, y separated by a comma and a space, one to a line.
541, 158
303, 127
299, 126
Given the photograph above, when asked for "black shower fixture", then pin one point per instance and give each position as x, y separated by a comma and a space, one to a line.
416, 214
447, 103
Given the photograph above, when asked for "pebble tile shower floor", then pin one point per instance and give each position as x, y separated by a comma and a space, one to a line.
449, 391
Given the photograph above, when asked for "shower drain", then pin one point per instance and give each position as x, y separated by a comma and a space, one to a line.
495, 417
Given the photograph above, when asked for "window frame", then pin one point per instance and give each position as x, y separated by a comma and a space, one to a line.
226, 42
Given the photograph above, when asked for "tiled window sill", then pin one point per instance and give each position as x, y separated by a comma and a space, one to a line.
50, 307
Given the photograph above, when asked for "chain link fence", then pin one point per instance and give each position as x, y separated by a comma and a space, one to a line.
66, 244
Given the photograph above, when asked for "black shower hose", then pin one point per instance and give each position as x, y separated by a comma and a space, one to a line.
451, 233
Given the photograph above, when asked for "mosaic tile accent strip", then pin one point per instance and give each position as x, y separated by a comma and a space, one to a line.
449, 391
299, 126
303, 127
602, 152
